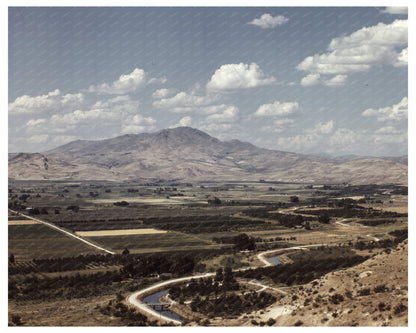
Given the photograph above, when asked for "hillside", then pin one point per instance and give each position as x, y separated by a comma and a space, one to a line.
374, 293
188, 154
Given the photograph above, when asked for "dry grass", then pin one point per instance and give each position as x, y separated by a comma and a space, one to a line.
121, 232
22, 222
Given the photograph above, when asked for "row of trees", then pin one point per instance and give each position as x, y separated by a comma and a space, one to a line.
241, 241
217, 296
302, 271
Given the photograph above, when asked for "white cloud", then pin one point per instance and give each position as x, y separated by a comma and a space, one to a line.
155, 80
137, 124
395, 10
343, 137
277, 109
162, 93
45, 104
231, 77
325, 128
35, 122
283, 121
402, 58
364, 48
387, 130
229, 114
395, 112
312, 79
39, 138
103, 119
279, 125
336, 81
185, 121
266, 21
183, 102
125, 84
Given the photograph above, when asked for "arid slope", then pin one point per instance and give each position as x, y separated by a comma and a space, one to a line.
188, 154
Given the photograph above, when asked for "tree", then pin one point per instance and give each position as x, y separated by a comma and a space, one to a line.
218, 275
73, 208
16, 320
244, 242
294, 198
11, 258
324, 218
215, 201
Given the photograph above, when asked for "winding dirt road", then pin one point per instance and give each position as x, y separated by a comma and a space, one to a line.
134, 299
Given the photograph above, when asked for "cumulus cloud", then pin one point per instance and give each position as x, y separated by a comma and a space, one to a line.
232, 77
185, 121
266, 21
183, 102
229, 114
137, 124
35, 122
343, 137
395, 10
336, 81
126, 83
279, 125
364, 48
157, 80
46, 104
388, 130
402, 58
312, 79
103, 119
162, 93
277, 109
325, 127
395, 112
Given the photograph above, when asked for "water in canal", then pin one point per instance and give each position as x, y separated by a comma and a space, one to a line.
274, 260
154, 299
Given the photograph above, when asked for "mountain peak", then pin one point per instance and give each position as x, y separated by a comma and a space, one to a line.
185, 135
190, 154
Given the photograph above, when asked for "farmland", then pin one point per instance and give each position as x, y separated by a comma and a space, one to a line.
164, 227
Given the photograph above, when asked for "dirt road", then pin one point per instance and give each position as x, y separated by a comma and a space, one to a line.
70, 234
134, 299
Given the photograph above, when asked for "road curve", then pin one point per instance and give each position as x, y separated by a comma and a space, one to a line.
134, 299
50, 225
261, 255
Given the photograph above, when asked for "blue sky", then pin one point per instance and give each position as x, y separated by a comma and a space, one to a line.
329, 80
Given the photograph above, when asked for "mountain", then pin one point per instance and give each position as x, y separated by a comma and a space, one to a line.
188, 154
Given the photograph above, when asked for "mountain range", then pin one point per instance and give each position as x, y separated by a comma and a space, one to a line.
188, 154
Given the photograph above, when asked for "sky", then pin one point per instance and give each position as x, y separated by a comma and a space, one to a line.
312, 80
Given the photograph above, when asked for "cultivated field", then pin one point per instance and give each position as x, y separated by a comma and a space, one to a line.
183, 229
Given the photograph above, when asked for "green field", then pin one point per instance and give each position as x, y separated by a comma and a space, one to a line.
170, 241
35, 241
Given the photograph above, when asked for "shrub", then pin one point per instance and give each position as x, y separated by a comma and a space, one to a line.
270, 322
399, 308
364, 292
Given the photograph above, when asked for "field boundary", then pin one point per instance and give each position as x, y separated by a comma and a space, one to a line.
50, 225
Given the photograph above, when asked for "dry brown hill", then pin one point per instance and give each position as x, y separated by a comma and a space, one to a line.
374, 293
188, 154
